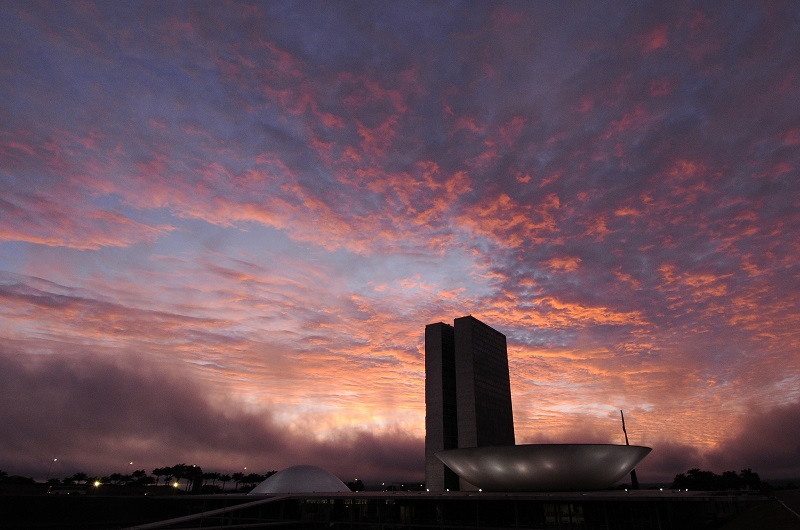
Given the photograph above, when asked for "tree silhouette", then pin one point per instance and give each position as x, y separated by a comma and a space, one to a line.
80, 478
17, 479
158, 473
252, 479
356, 485
731, 480
213, 476
180, 471
750, 480
192, 478
141, 478
699, 480
195, 476
169, 474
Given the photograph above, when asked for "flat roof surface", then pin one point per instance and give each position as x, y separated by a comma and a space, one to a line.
605, 495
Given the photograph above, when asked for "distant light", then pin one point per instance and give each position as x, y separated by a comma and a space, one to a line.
626, 489
661, 489
427, 489
175, 485
96, 483
479, 489
130, 463
55, 460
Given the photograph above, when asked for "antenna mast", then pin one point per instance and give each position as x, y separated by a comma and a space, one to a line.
634, 480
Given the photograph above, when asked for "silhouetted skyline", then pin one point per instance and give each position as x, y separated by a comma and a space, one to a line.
223, 227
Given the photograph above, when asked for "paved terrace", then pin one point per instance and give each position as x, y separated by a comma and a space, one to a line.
606, 510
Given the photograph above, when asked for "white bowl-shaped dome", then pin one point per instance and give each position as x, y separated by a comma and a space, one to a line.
544, 467
301, 479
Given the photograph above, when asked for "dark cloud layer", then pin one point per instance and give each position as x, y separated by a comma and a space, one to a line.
95, 414
768, 441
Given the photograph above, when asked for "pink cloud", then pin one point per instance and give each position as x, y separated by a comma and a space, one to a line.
655, 39
42, 220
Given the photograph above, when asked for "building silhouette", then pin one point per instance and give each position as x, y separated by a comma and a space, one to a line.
467, 394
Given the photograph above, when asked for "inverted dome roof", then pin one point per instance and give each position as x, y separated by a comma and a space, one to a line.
301, 479
544, 467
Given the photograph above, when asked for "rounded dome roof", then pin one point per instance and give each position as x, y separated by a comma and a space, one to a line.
301, 479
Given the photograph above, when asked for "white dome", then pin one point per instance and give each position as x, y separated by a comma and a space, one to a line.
301, 479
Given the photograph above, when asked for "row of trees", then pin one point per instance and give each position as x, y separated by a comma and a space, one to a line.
699, 480
191, 477
5, 478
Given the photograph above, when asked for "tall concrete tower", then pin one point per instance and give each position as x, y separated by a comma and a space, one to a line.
467, 394
441, 427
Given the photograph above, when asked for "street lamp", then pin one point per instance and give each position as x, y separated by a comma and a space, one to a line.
50, 468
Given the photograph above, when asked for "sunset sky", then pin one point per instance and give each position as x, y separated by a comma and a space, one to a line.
225, 225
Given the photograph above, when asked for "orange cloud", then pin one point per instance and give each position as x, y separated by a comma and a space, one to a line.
511, 131
655, 39
510, 223
564, 264
636, 120
599, 227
